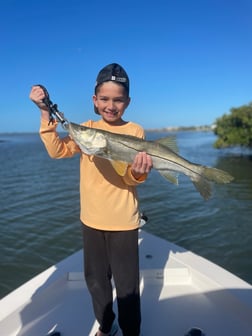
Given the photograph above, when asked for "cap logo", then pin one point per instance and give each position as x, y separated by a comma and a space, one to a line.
119, 79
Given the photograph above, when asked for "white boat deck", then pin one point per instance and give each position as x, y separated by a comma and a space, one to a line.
180, 290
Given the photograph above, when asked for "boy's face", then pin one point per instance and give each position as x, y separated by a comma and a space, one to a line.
111, 101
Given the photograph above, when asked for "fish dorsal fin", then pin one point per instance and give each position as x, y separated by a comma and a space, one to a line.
120, 167
170, 142
170, 176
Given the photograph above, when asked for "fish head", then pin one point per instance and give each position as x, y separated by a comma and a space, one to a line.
89, 140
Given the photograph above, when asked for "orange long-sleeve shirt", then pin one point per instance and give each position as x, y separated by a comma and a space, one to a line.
108, 201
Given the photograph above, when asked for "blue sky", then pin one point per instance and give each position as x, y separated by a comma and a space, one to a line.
189, 61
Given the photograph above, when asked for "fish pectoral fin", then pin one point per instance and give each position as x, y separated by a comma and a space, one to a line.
169, 142
170, 176
120, 167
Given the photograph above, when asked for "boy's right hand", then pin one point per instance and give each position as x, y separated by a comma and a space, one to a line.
37, 95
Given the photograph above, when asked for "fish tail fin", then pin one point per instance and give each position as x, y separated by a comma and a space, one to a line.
203, 187
206, 175
216, 175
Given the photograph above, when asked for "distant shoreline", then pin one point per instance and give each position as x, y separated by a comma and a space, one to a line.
205, 128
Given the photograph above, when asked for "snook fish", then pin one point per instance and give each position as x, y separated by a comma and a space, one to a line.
121, 149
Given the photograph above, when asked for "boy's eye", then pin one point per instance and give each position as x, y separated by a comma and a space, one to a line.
117, 100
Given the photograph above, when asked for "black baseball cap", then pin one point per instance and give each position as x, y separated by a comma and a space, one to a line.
112, 72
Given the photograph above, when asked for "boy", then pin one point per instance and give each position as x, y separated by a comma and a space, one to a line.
109, 205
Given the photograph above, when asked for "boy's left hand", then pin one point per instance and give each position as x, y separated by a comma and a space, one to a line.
142, 164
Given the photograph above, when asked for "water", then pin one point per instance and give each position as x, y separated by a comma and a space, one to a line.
39, 207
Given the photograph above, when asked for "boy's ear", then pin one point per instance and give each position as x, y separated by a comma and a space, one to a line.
94, 100
128, 102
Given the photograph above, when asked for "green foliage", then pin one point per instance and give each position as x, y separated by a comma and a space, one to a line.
235, 129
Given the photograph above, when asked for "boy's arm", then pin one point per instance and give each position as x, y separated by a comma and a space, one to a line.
56, 147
